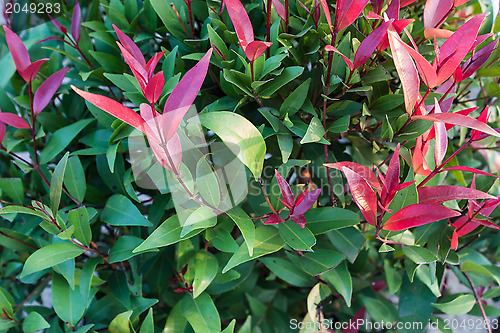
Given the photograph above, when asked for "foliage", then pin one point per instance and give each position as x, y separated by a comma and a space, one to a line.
249, 166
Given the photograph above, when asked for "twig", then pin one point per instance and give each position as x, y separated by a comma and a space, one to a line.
478, 300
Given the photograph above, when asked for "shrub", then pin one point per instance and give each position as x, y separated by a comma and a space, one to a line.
260, 166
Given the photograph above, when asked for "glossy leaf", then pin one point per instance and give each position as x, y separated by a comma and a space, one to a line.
205, 270
120, 211
76, 22
44, 93
49, 256
201, 313
363, 195
370, 43
346, 12
416, 215
246, 226
442, 193
56, 183
460, 120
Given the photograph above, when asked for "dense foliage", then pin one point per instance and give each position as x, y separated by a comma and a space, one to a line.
249, 166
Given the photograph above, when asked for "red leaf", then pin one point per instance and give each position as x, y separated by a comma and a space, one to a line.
76, 22
477, 60
435, 11
377, 6
130, 46
273, 219
113, 108
418, 158
370, 43
47, 89
186, 91
468, 169
454, 49
486, 223
392, 175
460, 120
280, 9
299, 219
406, 70
392, 10
241, 22
363, 195
425, 69
441, 137
286, 192
353, 322
347, 61
13, 120
466, 112
416, 215
154, 87
2, 132
58, 25
454, 240
17, 50
255, 49
363, 171
151, 65
328, 16
405, 3
309, 200
137, 68
346, 12
442, 193
30, 72
483, 117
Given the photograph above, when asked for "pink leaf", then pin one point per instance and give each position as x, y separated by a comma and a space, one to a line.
186, 91
52, 38
425, 69
298, 219
328, 16
435, 11
363, 195
486, 223
347, 11
441, 137
392, 175
241, 22
113, 108
477, 60
255, 49
76, 22
151, 65
377, 6
172, 155
406, 70
280, 9
392, 10
30, 72
454, 49
370, 43
154, 87
466, 112
17, 50
286, 192
420, 167
416, 215
405, 3
457, 3
13, 120
307, 202
47, 89
347, 61
130, 46
134, 64
483, 117
460, 120
363, 171
454, 240
431, 33
58, 25
273, 219
2, 132
468, 169
373, 16
442, 193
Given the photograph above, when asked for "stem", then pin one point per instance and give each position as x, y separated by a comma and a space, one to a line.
18, 240
286, 16
251, 70
268, 26
33, 293
191, 18
261, 182
478, 300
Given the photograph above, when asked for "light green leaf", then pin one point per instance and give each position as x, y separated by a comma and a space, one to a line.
14, 188
246, 226
315, 131
202, 218
340, 278
74, 178
241, 137
49, 256
121, 323
34, 322
79, 218
201, 313
120, 211
287, 271
56, 184
419, 255
296, 237
205, 270
68, 303
460, 304
207, 184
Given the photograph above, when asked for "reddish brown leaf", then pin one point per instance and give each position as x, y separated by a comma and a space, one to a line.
416, 215
359, 169
286, 191
363, 195
442, 193
346, 12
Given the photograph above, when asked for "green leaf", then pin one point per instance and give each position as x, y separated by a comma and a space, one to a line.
460, 304
14, 188
287, 271
415, 303
49, 256
79, 218
205, 270
324, 219
241, 137
61, 139
287, 75
121, 323
74, 178
320, 261
34, 322
296, 237
387, 103
17, 241
120, 211
68, 303
340, 278
419, 255
56, 184
13, 209
123, 249
340, 125
246, 226
267, 240
315, 131
392, 277
207, 184
201, 313
203, 217
294, 101
230, 328
347, 241
318, 293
